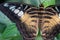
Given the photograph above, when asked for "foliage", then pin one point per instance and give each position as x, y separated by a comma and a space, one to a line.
8, 30
37, 3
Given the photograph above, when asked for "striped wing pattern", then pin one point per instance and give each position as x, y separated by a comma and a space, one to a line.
30, 19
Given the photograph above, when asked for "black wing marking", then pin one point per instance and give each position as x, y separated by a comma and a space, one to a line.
14, 10
9, 10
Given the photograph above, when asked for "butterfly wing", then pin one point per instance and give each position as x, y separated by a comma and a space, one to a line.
16, 12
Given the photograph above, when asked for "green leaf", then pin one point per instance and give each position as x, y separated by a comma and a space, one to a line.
32, 2
10, 32
37, 3
57, 2
47, 3
39, 38
4, 19
58, 36
2, 27
13, 1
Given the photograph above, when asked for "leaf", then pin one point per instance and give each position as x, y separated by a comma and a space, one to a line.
10, 31
57, 2
47, 3
58, 36
32, 2
37, 3
13, 1
4, 19
2, 27
39, 38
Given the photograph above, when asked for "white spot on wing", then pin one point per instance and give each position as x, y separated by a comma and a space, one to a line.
6, 5
59, 15
20, 13
26, 7
19, 7
16, 11
12, 8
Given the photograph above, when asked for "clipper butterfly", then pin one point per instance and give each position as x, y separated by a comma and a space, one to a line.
30, 19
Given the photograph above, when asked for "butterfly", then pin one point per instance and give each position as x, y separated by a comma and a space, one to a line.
29, 19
